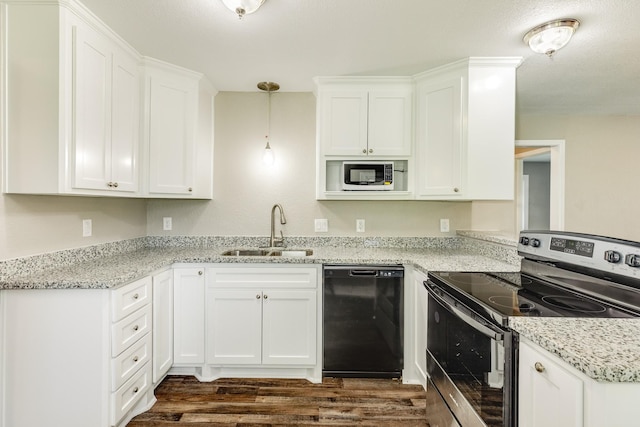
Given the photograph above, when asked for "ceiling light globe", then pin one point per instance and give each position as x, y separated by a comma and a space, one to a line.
551, 36
243, 7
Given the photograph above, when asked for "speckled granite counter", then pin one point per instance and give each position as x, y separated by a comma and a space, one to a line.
113, 270
606, 350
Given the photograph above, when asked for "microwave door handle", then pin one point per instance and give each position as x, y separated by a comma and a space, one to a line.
485, 328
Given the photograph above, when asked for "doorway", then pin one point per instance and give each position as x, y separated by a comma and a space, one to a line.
534, 157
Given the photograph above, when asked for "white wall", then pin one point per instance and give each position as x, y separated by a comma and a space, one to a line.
601, 170
245, 190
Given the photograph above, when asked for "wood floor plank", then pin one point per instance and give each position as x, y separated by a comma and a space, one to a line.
184, 401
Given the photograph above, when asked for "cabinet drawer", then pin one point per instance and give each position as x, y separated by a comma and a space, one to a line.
128, 363
130, 329
130, 393
262, 277
131, 297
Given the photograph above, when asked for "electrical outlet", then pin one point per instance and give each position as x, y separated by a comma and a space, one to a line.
321, 225
167, 223
444, 225
360, 225
86, 228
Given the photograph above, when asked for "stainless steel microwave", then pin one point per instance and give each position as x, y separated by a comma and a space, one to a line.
363, 176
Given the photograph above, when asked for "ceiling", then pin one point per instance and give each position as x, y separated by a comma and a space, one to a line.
291, 41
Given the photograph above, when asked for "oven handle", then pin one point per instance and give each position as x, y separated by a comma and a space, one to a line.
467, 315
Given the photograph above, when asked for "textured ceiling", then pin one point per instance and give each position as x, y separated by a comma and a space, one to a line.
291, 41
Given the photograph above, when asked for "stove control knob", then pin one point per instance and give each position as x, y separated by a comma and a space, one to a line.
524, 241
632, 260
535, 243
612, 256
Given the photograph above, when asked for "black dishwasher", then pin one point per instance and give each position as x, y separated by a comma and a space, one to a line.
363, 321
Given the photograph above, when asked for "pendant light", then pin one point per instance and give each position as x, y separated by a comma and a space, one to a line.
268, 157
551, 36
243, 7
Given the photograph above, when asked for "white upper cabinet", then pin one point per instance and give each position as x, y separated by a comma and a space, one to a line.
73, 104
178, 138
106, 119
465, 130
364, 117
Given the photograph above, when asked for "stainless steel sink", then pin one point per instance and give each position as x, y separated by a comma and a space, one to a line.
269, 252
291, 252
246, 252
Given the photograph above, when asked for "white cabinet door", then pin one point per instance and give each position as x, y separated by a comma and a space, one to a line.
188, 316
439, 140
289, 327
162, 324
106, 118
549, 395
125, 119
344, 122
390, 121
92, 102
234, 326
172, 108
420, 326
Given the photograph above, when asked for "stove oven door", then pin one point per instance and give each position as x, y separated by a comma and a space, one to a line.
469, 362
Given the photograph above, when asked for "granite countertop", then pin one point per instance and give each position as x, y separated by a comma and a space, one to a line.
607, 350
119, 269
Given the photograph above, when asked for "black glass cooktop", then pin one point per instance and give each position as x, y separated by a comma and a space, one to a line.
516, 294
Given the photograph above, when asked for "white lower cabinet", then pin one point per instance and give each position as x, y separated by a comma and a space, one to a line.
162, 324
553, 393
188, 316
76, 357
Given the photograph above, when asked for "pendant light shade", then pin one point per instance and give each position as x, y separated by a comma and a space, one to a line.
551, 36
243, 7
268, 157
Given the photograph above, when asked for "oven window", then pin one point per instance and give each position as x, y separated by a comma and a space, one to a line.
472, 361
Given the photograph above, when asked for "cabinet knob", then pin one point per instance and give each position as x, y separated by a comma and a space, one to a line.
364, 151
135, 358
190, 189
258, 296
136, 327
370, 150
115, 184
136, 296
109, 184
266, 296
135, 390
456, 190
200, 273
539, 367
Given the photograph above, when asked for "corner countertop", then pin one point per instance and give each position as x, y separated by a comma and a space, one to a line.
118, 269
607, 350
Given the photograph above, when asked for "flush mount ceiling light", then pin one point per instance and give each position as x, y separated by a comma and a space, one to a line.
267, 156
551, 36
243, 7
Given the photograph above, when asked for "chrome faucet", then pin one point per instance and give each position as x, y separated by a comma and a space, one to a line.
276, 241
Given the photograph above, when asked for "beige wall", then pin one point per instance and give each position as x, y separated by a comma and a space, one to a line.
601, 170
245, 190
31, 225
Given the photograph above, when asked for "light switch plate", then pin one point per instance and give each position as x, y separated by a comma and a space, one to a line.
321, 225
444, 225
359, 225
87, 228
167, 223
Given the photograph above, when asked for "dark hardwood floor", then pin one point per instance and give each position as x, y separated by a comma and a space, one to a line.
183, 401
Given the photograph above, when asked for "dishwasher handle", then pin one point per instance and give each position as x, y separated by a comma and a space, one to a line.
363, 272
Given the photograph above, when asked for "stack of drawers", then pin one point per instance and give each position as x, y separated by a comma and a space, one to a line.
130, 346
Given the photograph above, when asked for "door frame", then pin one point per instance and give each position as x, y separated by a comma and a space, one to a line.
556, 148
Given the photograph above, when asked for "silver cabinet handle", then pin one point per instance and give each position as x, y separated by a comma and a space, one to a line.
364, 151
265, 297
136, 296
115, 184
135, 358
136, 327
456, 190
190, 189
370, 150
200, 273
539, 367
135, 390
258, 296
